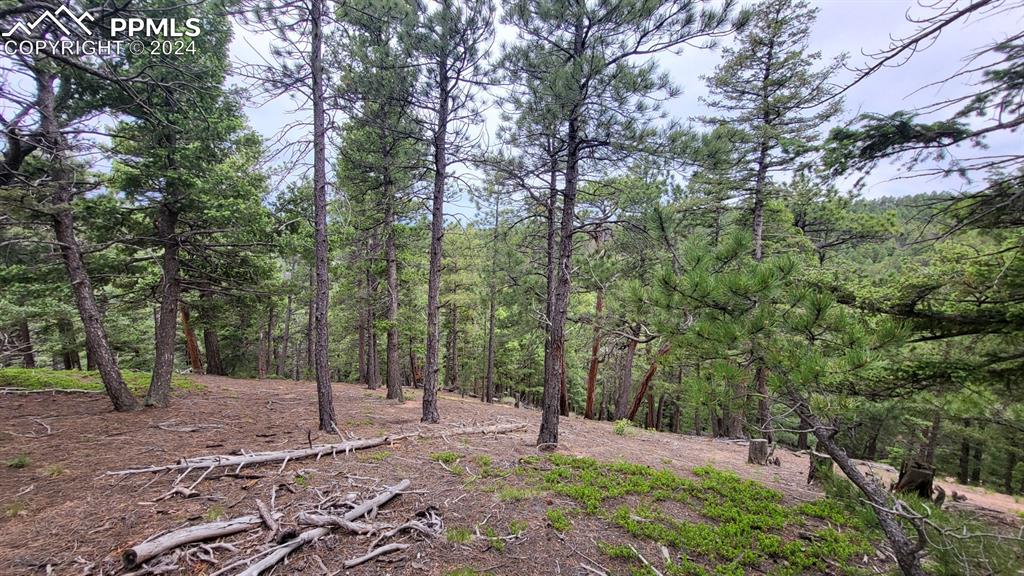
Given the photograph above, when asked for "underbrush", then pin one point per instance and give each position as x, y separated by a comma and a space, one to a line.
740, 526
45, 379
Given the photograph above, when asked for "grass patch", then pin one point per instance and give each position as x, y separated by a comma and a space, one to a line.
15, 509
466, 571
559, 520
742, 524
623, 427
517, 527
44, 378
494, 539
379, 456
447, 457
303, 480
18, 462
54, 471
515, 494
458, 535
214, 513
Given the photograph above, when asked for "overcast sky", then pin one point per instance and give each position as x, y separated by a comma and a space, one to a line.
856, 27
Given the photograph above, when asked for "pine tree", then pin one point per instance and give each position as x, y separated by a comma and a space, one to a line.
768, 92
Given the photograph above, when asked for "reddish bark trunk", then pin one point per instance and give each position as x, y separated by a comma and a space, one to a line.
646, 382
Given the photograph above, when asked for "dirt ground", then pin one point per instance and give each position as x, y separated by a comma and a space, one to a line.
63, 515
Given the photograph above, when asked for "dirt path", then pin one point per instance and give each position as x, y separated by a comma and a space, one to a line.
61, 511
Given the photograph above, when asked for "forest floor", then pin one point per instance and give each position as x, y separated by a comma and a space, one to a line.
506, 508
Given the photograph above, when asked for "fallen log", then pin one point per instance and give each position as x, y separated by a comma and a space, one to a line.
239, 460
280, 552
152, 548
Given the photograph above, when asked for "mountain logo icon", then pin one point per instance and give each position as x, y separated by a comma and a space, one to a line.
55, 17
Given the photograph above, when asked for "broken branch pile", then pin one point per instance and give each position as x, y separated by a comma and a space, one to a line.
326, 521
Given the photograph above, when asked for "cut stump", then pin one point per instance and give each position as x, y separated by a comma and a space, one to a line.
757, 452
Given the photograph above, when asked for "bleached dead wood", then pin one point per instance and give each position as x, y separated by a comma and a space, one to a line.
239, 460
152, 548
280, 552
386, 549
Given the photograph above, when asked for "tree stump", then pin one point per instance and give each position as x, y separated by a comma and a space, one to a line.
757, 452
820, 467
915, 477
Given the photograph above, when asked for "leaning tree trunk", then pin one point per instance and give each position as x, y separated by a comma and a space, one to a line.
646, 382
432, 368
325, 397
63, 223
906, 552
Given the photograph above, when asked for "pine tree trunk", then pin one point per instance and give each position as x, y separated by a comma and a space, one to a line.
626, 382
191, 345
62, 220
394, 369
646, 382
650, 410
964, 473
904, 550
269, 355
372, 358
310, 319
737, 410
261, 360
492, 305
976, 469
488, 395
69, 344
325, 396
550, 248
432, 367
1011, 463
211, 342
28, 357
658, 413
170, 291
361, 329
451, 371
928, 455
801, 437
282, 358
764, 415
595, 348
